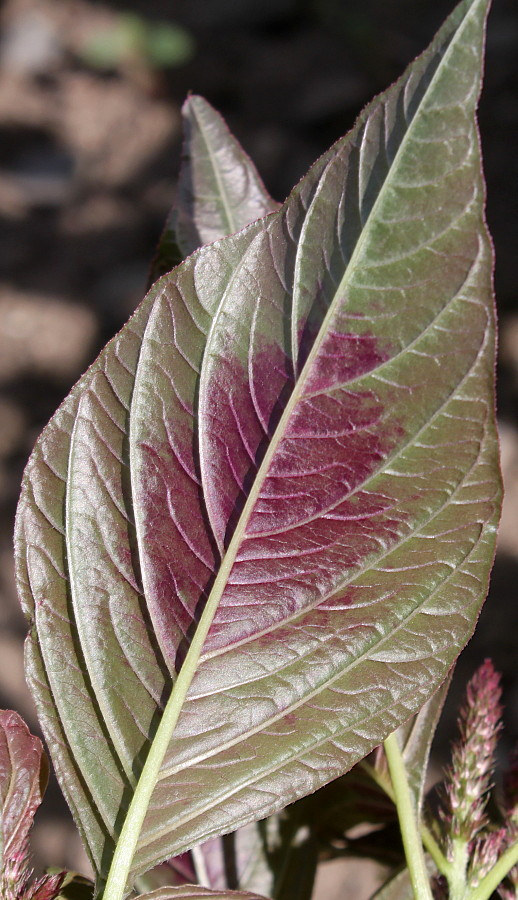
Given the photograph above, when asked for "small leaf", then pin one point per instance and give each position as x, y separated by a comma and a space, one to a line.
193, 892
398, 887
274, 496
177, 870
277, 856
237, 860
76, 887
23, 779
219, 189
416, 738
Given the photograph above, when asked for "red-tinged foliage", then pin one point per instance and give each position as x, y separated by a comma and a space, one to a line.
23, 778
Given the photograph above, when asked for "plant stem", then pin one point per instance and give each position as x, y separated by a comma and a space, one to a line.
380, 779
116, 883
427, 837
199, 867
434, 850
407, 820
457, 882
490, 882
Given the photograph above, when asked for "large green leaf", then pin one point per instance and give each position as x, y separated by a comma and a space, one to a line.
279, 480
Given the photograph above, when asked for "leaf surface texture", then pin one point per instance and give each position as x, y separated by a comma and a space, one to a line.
292, 439
219, 188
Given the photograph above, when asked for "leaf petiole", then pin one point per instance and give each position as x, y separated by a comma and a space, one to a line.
427, 837
407, 820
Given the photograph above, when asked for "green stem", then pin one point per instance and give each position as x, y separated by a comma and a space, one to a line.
380, 779
407, 820
435, 851
497, 874
457, 879
116, 883
426, 835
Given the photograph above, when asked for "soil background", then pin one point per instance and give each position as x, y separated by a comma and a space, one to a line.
89, 150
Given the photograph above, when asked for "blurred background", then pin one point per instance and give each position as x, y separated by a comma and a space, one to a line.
90, 97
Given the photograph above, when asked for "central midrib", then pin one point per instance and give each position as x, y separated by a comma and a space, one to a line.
227, 209
262, 473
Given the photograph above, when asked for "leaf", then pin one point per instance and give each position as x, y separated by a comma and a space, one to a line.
371, 804
237, 860
351, 800
383, 845
23, 779
178, 870
415, 738
75, 887
364, 794
399, 887
193, 892
219, 189
280, 481
277, 856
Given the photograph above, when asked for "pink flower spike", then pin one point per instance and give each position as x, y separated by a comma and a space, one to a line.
47, 888
486, 853
16, 881
469, 776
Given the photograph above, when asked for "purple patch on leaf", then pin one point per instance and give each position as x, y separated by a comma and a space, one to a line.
344, 357
316, 518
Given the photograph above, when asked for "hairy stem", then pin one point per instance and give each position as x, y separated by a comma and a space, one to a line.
457, 878
435, 851
426, 835
407, 820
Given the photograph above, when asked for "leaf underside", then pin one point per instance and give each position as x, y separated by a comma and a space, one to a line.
277, 856
23, 779
399, 887
191, 892
219, 190
294, 432
365, 794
